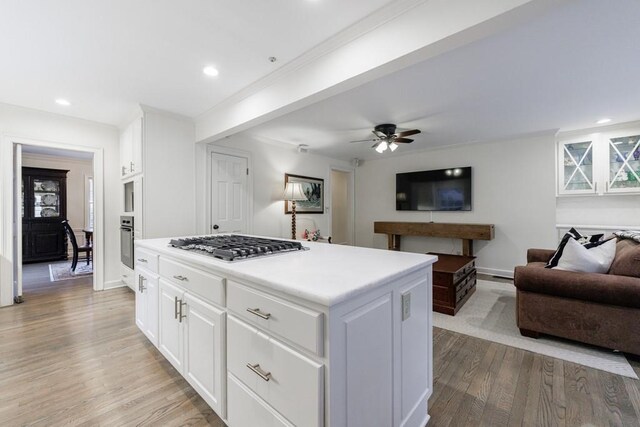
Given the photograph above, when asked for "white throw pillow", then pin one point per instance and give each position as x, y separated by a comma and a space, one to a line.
576, 257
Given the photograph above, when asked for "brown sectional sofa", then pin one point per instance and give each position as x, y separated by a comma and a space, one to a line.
598, 309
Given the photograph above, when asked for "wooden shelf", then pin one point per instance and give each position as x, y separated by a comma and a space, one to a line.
467, 232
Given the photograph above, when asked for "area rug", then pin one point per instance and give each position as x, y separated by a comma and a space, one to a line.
490, 314
62, 271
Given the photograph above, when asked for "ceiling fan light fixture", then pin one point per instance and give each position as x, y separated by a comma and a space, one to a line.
393, 146
382, 147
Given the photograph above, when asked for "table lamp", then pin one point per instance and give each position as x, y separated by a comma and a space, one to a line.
292, 193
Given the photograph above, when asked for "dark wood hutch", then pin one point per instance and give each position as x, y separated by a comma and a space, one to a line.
44, 206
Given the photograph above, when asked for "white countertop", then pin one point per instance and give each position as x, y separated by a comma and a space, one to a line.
326, 274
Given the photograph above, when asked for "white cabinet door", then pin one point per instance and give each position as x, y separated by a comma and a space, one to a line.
623, 161
364, 364
138, 220
147, 304
125, 152
136, 145
204, 336
576, 173
141, 303
150, 290
170, 324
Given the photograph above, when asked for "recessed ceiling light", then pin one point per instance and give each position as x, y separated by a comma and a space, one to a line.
603, 121
210, 71
63, 102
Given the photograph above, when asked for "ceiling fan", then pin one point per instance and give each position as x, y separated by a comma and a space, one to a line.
386, 137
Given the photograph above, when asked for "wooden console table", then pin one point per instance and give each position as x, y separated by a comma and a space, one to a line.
467, 232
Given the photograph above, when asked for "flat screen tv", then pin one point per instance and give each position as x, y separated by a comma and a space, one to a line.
434, 190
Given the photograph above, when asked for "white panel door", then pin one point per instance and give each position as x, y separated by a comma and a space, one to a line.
228, 193
204, 366
170, 326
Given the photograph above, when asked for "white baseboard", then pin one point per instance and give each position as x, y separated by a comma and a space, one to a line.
495, 272
113, 284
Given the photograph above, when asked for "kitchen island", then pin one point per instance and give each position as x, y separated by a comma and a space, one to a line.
330, 336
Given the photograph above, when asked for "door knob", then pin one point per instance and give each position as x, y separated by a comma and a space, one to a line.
216, 226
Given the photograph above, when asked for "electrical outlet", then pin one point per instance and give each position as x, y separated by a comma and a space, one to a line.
406, 306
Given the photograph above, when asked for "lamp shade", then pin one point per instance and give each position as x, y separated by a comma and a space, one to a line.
293, 191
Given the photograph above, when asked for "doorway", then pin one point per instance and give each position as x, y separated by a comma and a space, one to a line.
44, 202
56, 185
342, 206
229, 200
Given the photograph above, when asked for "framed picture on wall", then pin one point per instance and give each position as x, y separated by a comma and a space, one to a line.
313, 188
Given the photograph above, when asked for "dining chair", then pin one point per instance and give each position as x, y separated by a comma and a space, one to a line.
86, 248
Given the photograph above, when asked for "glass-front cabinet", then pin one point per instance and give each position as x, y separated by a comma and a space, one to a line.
576, 169
43, 209
600, 163
624, 163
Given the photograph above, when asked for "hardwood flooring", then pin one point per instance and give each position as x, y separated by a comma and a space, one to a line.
71, 356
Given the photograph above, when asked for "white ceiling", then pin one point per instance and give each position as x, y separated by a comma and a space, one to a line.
107, 56
562, 71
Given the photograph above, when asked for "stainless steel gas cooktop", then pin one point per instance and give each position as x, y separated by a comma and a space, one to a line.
234, 247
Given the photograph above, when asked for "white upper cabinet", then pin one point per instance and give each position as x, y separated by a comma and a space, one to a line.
576, 170
131, 141
623, 162
600, 163
157, 170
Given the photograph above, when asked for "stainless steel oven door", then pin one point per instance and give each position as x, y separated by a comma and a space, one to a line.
126, 246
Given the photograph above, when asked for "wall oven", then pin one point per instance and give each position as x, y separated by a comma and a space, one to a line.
126, 240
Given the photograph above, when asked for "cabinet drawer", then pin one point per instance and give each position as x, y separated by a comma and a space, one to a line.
206, 285
465, 287
288, 381
464, 271
127, 276
300, 325
146, 259
244, 408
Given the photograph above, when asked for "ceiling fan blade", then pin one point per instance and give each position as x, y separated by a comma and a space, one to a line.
403, 140
364, 140
407, 133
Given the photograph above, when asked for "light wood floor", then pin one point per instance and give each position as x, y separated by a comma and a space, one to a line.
72, 356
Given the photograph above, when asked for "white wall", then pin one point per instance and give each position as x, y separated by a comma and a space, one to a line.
270, 162
78, 169
617, 211
513, 188
37, 125
340, 208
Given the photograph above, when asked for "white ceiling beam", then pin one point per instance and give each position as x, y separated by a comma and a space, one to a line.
402, 34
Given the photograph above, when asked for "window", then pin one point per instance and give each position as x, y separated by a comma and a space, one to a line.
89, 205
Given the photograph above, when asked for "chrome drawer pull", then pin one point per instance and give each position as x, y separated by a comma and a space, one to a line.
181, 278
142, 260
259, 313
175, 308
262, 374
